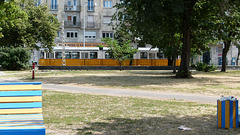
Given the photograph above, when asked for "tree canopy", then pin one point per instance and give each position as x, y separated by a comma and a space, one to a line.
27, 24
153, 21
121, 50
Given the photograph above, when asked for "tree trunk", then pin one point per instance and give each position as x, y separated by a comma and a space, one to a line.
186, 48
170, 61
224, 55
120, 63
174, 58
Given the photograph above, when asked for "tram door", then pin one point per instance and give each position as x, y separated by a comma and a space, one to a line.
84, 55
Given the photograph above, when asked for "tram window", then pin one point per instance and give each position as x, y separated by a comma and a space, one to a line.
58, 55
42, 55
93, 55
49, 55
160, 55
151, 55
68, 55
108, 56
75, 55
143, 55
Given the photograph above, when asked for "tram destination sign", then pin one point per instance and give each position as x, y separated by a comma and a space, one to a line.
81, 44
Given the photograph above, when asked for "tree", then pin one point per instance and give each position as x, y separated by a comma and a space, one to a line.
27, 25
226, 25
151, 20
13, 24
121, 52
14, 58
43, 25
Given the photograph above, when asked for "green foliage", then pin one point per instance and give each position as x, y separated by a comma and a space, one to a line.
44, 26
13, 24
205, 67
27, 25
14, 58
120, 52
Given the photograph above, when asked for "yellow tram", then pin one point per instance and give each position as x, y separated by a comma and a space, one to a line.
91, 55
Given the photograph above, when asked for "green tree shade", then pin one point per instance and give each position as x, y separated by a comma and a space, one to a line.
43, 25
156, 21
226, 25
120, 52
13, 24
27, 25
14, 58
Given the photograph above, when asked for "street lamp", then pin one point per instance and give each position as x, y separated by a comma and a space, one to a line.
84, 23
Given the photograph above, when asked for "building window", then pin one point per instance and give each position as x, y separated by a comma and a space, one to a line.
74, 2
90, 35
54, 4
93, 55
107, 34
72, 34
143, 55
107, 19
90, 21
69, 3
58, 34
90, 5
69, 18
38, 2
107, 4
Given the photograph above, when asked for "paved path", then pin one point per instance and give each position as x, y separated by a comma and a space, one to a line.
131, 93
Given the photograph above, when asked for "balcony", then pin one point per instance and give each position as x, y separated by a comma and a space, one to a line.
93, 25
71, 24
54, 7
71, 8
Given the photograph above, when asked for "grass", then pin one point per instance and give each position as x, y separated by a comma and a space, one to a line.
68, 113
74, 113
207, 83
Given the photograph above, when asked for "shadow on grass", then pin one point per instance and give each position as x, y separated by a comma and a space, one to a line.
157, 126
124, 80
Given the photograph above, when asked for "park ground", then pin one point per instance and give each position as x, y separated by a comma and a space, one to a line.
68, 112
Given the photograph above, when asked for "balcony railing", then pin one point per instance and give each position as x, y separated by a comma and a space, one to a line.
93, 25
68, 24
72, 8
54, 7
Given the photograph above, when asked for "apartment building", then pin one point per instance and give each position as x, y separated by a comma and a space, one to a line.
72, 14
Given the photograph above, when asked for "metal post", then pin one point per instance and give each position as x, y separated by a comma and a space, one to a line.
33, 70
84, 23
63, 45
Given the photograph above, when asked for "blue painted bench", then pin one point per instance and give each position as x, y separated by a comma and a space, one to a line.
21, 109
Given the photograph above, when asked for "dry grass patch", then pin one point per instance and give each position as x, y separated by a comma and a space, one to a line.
66, 113
211, 83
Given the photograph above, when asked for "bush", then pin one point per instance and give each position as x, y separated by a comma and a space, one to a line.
14, 58
205, 67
